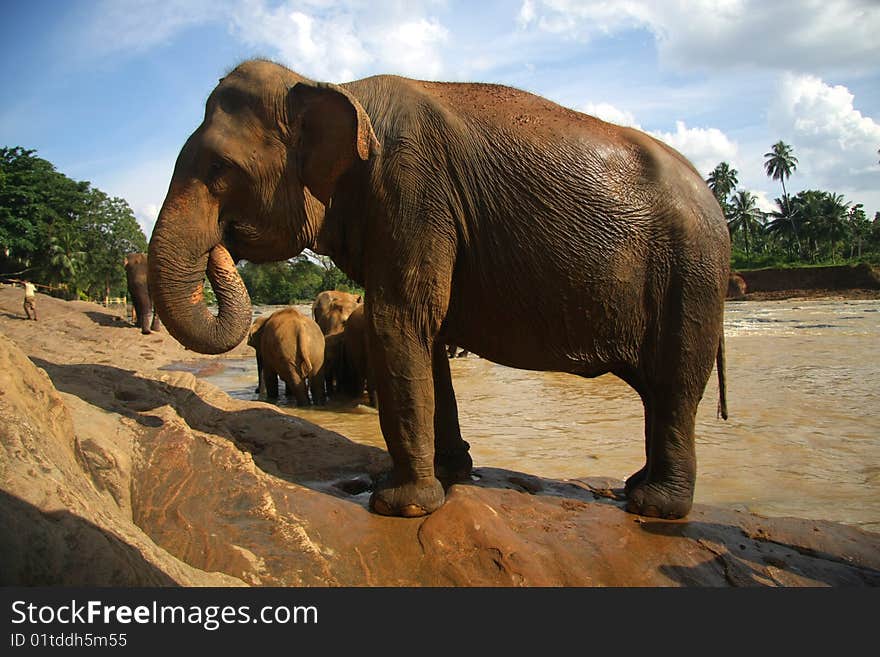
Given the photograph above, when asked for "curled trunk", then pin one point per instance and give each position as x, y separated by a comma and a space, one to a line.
185, 246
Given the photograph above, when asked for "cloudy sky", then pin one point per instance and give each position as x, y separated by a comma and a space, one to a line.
109, 90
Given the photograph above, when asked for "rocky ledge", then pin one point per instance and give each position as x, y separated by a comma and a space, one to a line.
114, 472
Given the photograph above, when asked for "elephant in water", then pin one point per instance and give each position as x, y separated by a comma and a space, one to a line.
291, 346
139, 291
736, 286
612, 252
331, 310
357, 372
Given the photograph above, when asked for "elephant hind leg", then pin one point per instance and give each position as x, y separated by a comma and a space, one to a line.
673, 387
664, 488
452, 461
296, 386
316, 387
636, 382
269, 383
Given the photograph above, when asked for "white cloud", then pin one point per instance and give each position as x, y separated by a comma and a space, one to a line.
323, 46
411, 48
834, 142
762, 200
704, 147
135, 26
343, 42
610, 113
799, 35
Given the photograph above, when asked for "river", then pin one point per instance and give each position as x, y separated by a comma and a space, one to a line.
803, 437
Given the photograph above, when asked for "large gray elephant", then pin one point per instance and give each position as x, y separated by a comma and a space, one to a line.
136, 276
612, 253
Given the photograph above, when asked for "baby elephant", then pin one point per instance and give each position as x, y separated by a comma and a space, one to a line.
291, 346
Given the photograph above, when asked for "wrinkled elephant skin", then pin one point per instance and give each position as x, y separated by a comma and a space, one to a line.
473, 214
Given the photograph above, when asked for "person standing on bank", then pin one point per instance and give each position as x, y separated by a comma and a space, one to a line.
30, 300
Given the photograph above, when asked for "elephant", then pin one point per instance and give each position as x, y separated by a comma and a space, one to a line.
291, 346
253, 340
612, 251
736, 286
358, 374
136, 275
332, 308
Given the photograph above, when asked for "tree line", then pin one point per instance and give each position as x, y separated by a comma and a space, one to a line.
297, 280
810, 227
61, 233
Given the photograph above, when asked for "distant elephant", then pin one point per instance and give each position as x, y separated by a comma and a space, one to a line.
291, 346
332, 307
358, 375
334, 362
253, 340
139, 291
611, 250
330, 310
736, 286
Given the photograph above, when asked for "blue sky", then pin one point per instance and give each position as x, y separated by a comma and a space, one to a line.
109, 90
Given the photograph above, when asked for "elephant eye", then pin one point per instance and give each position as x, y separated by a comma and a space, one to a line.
216, 168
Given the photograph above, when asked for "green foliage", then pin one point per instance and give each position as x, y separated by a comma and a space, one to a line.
293, 281
810, 228
58, 231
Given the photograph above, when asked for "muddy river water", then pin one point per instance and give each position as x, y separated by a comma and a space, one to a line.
803, 437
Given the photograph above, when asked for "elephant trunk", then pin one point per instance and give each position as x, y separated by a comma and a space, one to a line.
185, 246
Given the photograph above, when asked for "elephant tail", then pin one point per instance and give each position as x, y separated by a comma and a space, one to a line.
722, 385
305, 363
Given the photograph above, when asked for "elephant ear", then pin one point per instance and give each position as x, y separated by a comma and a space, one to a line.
334, 132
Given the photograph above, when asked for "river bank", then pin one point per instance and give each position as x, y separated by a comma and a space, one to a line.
844, 282
116, 472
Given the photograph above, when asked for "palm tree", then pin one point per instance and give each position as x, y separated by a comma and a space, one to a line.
745, 217
779, 165
66, 256
835, 212
782, 224
723, 180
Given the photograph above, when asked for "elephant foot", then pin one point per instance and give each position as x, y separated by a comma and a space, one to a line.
410, 500
634, 480
453, 466
658, 500
145, 331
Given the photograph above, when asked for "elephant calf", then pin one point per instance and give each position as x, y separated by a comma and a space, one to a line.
291, 346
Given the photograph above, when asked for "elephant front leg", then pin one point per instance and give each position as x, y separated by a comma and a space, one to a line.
452, 462
405, 386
